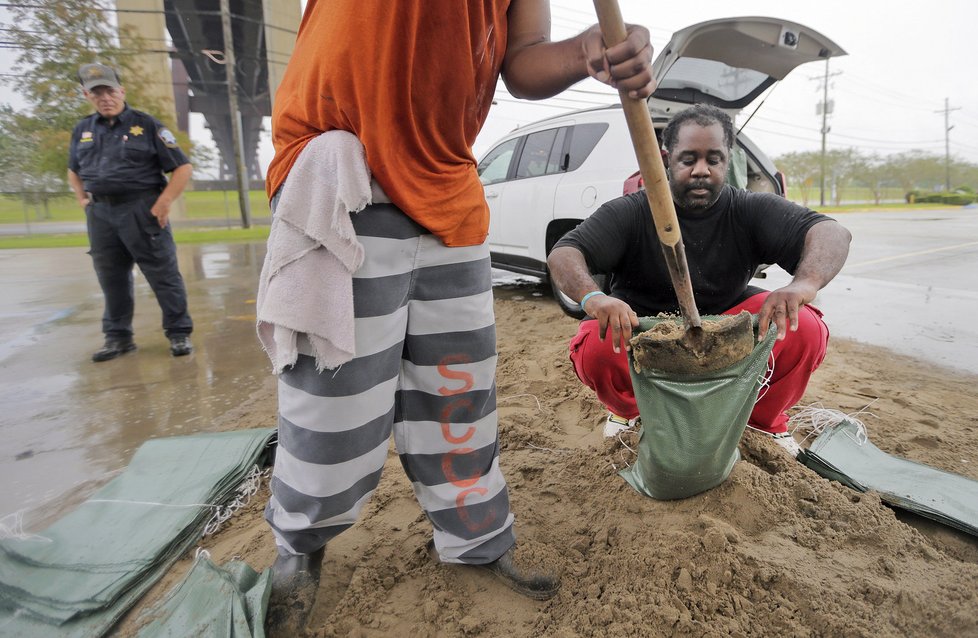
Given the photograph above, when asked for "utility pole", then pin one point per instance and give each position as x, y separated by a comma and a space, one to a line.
947, 143
236, 135
824, 108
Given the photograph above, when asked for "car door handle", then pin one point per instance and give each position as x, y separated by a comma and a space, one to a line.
491, 194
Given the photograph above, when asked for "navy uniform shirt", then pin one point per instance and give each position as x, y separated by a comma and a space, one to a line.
130, 155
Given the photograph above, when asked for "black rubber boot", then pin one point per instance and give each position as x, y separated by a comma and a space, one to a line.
113, 347
530, 583
295, 579
180, 345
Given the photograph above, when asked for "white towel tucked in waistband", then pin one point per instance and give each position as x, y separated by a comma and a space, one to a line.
306, 284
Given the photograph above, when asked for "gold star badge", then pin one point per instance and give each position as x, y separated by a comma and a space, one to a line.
136, 131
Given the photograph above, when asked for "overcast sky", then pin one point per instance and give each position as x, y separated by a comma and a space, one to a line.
903, 60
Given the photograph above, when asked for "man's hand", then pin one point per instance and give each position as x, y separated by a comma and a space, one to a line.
782, 306
78, 187
613, 314
161, 211
626, 66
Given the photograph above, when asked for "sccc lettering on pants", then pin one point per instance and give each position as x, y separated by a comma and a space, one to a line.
466, 483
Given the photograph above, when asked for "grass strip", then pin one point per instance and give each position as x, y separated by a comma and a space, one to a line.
190, 236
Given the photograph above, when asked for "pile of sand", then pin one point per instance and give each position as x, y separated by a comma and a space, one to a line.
774, 551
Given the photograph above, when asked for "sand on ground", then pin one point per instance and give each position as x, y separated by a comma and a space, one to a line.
776, 550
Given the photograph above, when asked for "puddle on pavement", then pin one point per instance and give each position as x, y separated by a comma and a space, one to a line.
69, 424
507, 285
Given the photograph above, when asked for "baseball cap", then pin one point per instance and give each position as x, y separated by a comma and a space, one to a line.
92, 75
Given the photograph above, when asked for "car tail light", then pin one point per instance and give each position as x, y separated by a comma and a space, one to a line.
633, 184
783, 183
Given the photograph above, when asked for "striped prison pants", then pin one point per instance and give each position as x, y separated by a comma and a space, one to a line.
425, 369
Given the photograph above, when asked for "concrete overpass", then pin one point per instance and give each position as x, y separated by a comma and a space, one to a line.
263, 33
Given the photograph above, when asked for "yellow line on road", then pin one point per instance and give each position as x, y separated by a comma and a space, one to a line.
914, 254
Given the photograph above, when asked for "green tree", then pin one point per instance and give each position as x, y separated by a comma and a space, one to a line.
54, 38
842, 165
964, 174
14, 153
801, 170
871, 171
27, 150
916, 170
910, 170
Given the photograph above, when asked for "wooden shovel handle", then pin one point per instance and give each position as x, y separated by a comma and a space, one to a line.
653, 171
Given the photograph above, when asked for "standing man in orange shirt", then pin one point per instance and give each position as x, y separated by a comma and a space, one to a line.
413, 82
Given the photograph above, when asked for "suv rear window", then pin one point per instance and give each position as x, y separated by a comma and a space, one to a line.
538, 157
494, 167
583, 139
734, 86
542, 153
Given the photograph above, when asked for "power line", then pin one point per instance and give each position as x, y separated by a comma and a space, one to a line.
877, 102
540, 103
853, 137
964, 146
879, 88
788, 135
169, 12
857, 147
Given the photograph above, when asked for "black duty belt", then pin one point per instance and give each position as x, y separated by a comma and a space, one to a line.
120, 198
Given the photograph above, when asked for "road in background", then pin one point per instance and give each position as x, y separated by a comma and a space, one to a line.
910, 285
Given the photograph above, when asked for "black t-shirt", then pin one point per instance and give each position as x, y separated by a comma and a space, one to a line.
130, 155
724, 246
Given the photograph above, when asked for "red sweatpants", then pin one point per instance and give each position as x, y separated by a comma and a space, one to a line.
796, 357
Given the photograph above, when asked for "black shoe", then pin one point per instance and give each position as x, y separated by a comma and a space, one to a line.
113, 347
530, 583
180, 345
295, 579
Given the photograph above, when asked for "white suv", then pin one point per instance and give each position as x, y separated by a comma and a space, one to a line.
542, 179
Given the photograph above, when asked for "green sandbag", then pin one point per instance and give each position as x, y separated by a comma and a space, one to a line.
228, 601
81, 574
691, 424
841, 455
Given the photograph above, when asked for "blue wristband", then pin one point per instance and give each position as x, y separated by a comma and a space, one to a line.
588, 296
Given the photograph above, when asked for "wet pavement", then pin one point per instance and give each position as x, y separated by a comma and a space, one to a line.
67, 422
911, 285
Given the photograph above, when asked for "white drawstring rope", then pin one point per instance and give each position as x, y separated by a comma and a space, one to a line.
222, 513
12, 527
815, 419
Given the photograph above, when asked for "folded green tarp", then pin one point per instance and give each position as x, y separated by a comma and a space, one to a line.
95, 562
840, 454
212, 601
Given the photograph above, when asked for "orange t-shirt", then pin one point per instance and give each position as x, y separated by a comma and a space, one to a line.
413, 80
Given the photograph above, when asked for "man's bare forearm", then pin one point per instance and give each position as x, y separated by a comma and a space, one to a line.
534, 67
824, 254
569, 270
178, 182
